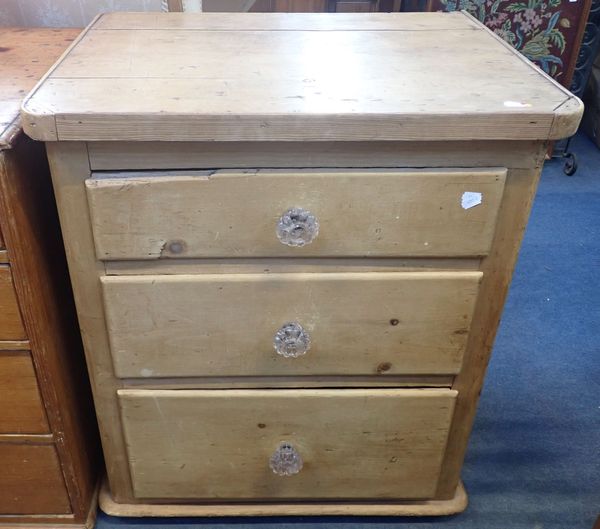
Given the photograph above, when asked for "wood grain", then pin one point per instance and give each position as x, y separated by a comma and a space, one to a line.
46, 479
289, 6
15, 345
355, 6
29, 222
287, 266
144, 83
137, 155
31, 481
413, 508
224, 325
70, 167
497, 271
361, 213
11, 324
21, 409
383, 443
25, 55
312, 381
281, 22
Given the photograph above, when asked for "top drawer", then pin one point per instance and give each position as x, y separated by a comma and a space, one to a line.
243, 213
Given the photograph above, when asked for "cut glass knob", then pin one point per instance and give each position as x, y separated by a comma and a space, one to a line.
286, 460
291, 340
297, 227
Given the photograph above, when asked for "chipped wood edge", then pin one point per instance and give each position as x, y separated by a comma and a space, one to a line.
40, 123
567, 117
454, 505
568, 114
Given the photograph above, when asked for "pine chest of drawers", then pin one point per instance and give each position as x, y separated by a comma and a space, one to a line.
290, 239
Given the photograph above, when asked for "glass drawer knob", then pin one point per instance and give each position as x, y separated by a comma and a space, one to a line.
291, 340
297, 227
286, 460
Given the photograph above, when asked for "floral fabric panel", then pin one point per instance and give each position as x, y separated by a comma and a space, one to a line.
544, 31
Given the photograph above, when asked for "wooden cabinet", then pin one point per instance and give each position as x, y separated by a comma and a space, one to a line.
290, 269
48, 438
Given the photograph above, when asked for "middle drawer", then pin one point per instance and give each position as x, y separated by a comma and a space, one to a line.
289, 323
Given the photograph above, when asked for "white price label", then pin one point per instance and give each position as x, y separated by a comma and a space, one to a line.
470, 199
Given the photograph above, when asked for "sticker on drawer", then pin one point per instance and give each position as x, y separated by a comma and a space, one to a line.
470, 199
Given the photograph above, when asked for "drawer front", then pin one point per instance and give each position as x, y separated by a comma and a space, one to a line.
289, 324
31, 481
11, 324
353, 444
262, 214
21, 408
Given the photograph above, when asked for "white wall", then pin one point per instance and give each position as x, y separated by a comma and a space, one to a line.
65, 13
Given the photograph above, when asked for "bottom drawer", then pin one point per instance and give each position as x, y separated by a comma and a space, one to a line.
332, 443
31, 481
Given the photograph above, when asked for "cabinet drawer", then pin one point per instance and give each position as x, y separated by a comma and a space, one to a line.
344, 323
238, 214
11, 324
31, 481
353, 443
21, 408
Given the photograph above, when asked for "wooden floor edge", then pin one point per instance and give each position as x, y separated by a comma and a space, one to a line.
417, 508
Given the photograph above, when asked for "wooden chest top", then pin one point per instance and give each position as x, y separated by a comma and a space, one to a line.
296, 77
25, 54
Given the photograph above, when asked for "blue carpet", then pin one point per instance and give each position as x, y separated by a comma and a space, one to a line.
534, 457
